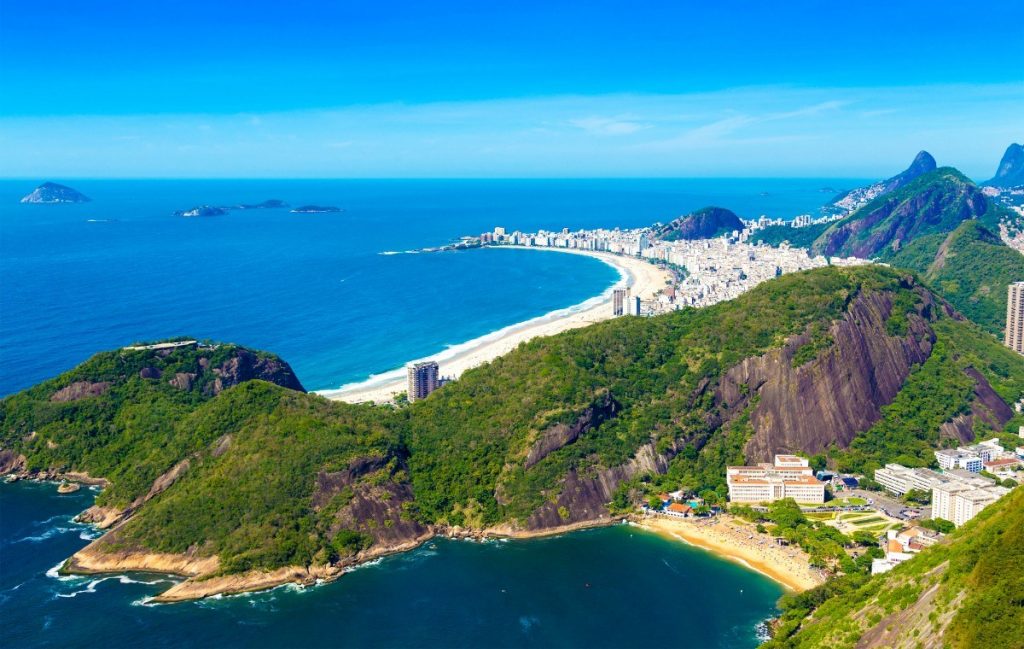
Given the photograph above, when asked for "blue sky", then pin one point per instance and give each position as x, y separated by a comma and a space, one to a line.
385, 89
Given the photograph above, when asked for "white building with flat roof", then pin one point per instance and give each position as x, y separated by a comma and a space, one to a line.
789, 476
962, 497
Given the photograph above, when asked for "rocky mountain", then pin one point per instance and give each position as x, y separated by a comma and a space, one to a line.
964, 592
241, 484
970, 266
853, 200
936, 202
706, 223
1011, 168
54, 193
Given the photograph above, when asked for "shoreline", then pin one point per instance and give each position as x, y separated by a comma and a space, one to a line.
639, 275
729, 539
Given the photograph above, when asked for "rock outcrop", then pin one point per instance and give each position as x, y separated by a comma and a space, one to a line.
247, 366
80, 390
828, 401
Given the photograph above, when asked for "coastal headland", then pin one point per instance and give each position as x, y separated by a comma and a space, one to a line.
640, 276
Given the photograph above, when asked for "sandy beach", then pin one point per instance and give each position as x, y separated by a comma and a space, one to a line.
643, 279
737, 540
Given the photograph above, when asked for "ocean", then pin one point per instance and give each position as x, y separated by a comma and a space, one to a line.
324, 291
610, 587
339, 297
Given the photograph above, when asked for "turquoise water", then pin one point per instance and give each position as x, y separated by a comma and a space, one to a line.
314, 288
611, 587
75, 279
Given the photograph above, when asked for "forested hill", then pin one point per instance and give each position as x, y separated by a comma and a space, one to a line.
963, 594
562, 430
971, 267
936, 202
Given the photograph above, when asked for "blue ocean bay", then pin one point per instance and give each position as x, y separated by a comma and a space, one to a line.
315, 288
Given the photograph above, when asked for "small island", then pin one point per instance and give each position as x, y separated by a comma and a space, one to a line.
316, 209
202, 210
272, 204
49, 193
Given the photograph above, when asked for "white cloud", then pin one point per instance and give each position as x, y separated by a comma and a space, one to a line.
608, 125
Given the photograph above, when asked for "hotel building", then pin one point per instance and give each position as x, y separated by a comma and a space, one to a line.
620, 301
789, 476
1014, 336
423, 379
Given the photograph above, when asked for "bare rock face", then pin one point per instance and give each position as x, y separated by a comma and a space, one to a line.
183, 380
375, 503
150, 373
585, 497
246, 366
562, 435
79, 390
986, 405
841, 393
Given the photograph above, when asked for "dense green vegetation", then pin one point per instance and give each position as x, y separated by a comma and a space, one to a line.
934, 203
705, 223
933, 394
129, 433
474, 433
251, 492
971, 267
968, 591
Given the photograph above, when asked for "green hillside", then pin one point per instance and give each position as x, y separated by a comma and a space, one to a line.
934, 203
961, 594
971, 267
555, 432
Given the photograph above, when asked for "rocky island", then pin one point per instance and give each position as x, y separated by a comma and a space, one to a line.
316, 209
54, 193
202, 210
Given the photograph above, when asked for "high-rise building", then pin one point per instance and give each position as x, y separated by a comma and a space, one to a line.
1014, 337
422, 379
620, 297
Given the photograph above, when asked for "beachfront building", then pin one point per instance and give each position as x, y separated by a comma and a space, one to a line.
1014, 335
423, 379
788, 477
620, 301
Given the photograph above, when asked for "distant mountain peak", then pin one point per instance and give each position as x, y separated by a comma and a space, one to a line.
1010, 172
853, 200
54, 193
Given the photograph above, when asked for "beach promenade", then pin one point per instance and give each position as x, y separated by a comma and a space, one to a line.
643, 279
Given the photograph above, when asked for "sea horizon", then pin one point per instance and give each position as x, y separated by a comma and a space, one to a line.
368, 333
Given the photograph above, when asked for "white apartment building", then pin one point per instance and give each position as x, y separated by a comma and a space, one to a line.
959, 459
788, 477
961, 499
899, 479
